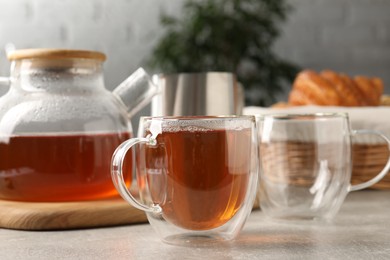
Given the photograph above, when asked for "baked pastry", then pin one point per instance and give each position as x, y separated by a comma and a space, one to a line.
343, 84
310, 88
329, 88
385, 100
372, 89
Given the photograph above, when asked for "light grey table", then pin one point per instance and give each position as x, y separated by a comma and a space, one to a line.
361, 230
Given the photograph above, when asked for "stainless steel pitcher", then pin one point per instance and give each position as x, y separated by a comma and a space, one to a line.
208, 93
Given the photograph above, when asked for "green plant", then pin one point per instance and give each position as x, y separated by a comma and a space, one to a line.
228, 35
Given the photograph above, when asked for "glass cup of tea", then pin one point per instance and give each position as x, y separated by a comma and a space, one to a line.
306, 164
196, 176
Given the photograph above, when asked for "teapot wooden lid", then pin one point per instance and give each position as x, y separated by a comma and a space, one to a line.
55, 54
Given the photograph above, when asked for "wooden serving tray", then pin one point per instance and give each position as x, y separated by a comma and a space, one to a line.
71, 215
68, 215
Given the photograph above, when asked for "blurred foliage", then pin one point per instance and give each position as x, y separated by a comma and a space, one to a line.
228, 35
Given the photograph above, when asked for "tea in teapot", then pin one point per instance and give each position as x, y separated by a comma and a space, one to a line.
59, 125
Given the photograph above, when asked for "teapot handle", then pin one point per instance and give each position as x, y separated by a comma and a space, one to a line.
5, 81
136, 91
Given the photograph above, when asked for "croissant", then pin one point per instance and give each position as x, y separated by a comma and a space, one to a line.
372, 89
309, 88
329, 88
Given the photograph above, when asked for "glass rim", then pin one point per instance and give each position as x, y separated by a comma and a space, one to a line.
197, 118
297, 116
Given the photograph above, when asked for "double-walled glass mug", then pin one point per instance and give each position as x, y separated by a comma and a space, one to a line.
306, 164
197, 176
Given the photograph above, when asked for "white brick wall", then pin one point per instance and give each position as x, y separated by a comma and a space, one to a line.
352, 36
125, 30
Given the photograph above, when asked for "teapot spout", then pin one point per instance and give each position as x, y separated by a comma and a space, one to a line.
136, 91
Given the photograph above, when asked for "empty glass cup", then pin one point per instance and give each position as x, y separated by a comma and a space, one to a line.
305, 164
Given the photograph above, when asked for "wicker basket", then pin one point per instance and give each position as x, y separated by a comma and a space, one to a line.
297, 162
368, 161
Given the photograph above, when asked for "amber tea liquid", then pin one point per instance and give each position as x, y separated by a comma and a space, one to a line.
58, 167
198, 177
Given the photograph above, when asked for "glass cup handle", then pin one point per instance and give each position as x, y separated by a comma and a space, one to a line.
117, 174
385, 170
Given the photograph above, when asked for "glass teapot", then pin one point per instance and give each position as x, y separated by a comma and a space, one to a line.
59, 125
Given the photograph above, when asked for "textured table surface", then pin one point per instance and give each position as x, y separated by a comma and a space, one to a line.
361, 230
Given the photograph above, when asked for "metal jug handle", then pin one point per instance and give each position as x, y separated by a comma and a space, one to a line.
240, 98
